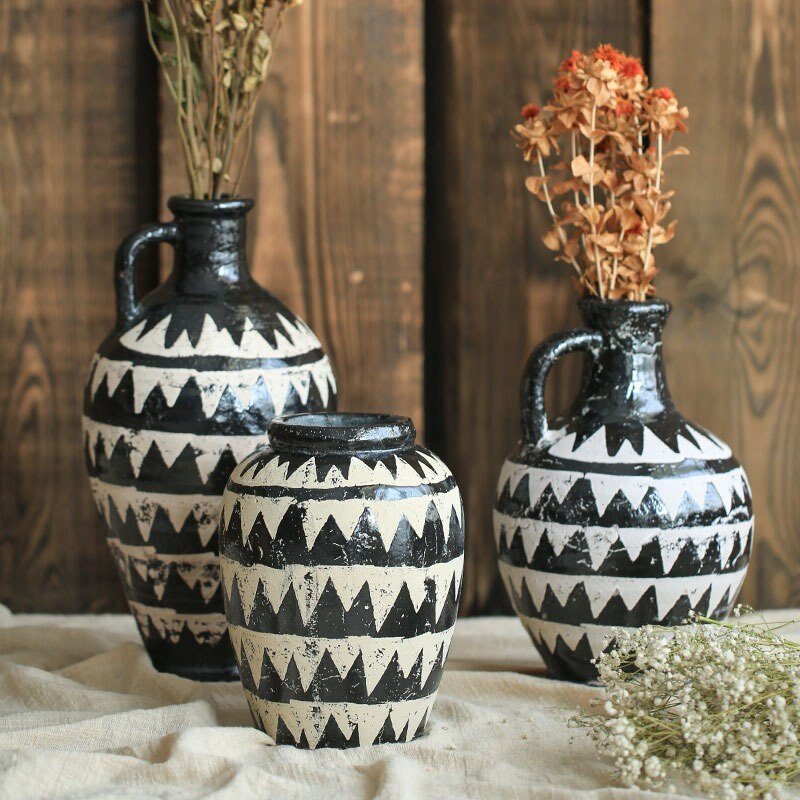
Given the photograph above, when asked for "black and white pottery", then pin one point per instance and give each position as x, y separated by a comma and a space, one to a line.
342, 548
622, 513
180, 391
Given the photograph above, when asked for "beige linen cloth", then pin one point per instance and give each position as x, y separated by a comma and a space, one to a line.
84, 715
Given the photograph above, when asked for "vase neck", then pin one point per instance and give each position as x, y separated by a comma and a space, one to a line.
212, 252
627, 378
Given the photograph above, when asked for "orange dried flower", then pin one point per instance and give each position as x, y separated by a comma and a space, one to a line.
664, 93
570, 64
605, 52
624, 108
606, 200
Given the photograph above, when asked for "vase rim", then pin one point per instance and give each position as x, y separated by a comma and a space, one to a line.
635, 306
342, 432
223, 206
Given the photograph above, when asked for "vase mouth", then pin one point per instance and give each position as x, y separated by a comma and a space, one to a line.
617, 315
186, 206
342, 432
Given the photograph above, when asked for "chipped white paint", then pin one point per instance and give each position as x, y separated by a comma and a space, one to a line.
293, 340
600, 588
195, 569
654, 450
307, 652
311, 717
547, 633
178, 508
672, 490
386, 514
275, 473
207, 629
308, 583
206, 450
213, 384
599, 540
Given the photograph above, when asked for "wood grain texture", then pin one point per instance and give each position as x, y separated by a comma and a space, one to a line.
338, 177
74, 164
733, 271
494, 290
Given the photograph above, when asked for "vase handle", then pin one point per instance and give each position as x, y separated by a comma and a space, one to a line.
542, 359
128, 306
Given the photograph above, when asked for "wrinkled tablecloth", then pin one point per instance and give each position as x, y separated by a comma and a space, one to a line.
84, 715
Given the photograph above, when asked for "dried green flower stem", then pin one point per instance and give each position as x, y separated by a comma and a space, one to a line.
215, 56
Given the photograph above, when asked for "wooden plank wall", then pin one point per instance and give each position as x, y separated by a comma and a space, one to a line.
733, 271
77, 170
495, 288
392, 215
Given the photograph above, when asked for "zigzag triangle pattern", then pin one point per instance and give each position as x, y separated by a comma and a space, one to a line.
213, 384
307, 723
692, 444
546, 633
309, 583
268, 468
421, 652
620, 526
146, 506
170, 625
290, 340
673, 491
206, 451
730, 539
199, 572
600, 589
385, 515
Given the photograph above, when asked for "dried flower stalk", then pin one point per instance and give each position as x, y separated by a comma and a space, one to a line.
716, 703
215, 56
606, 202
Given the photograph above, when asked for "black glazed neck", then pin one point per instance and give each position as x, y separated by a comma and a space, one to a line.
628, 374
212, 250
342, 433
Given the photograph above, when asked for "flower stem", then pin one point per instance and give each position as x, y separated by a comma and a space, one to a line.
550, 208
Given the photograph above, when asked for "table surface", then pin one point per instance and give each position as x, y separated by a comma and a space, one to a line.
84, 715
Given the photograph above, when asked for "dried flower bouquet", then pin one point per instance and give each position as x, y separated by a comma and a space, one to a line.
605, 194
215, 56
716, 702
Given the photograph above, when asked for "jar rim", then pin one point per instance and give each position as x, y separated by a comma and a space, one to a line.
342, 432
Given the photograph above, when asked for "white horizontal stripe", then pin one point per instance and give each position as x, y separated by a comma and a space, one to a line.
213, 384
600, 589
671, 491
546, 632
386, 514
206, 628
307, 652
272, 470
594, 450
294, 340
308, 582
207, 449
145, 505
195, 569
302, 716
600, 539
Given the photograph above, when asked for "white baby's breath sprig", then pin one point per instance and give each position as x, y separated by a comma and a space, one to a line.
717, 703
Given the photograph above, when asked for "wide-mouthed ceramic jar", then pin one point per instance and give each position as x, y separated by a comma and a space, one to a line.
342, 549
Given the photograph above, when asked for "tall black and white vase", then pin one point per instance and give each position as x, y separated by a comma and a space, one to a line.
180, 391
342, 548
622, 513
